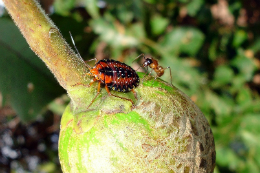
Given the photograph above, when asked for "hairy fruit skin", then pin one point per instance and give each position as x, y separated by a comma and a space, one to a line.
164, 132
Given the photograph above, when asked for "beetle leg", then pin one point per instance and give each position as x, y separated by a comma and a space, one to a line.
109, 93
93, 80
80, 84
134, 93
92, 60
98, 91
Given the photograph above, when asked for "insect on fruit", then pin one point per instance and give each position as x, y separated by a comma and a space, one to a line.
154, 65
114, 75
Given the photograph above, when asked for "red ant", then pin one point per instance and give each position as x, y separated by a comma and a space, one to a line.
154, 65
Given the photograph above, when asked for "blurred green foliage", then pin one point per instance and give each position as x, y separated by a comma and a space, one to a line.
25, 81
211, 46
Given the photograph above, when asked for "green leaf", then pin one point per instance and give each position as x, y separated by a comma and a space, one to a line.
245, 65
221, 105
24, 79
194, 6
250, 124
183, 1
256, 45
125, 15
63, 7
244, 98
182, 74
224, 41
137, 31
237, 82
222, 76
113, 34
253, 106
253, 165
183, 40
159, 24
239, 37
118, 2
250, 135
92, 8
225, 157
150, 1
235, 6
213, 50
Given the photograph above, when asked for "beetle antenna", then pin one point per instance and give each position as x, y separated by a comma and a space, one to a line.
77, 50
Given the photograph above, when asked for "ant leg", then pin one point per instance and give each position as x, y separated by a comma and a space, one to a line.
138, 68
98, 91
141, 55
170, 73
147, 75
161, 72
109, 93
136, 59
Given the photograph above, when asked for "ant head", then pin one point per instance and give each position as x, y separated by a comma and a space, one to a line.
147, 62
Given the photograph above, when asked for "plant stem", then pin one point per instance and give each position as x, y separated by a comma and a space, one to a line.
46, 41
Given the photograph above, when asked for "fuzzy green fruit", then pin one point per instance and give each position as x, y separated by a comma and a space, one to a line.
165, 132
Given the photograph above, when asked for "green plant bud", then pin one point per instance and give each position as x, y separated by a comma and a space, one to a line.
164, 132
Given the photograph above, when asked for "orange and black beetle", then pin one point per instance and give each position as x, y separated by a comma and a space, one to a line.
114, 75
